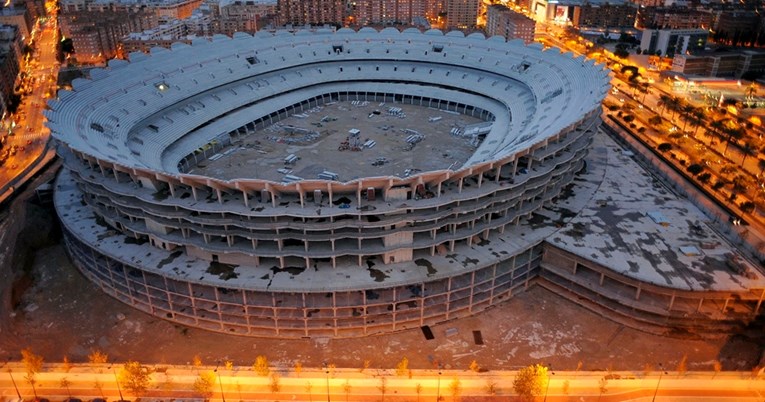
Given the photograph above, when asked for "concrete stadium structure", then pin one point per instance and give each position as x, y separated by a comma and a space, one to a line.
318, 257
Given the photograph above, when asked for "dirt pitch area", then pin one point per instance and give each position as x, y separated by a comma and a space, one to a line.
49, 306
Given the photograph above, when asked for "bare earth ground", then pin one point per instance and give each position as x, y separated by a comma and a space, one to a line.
46, 304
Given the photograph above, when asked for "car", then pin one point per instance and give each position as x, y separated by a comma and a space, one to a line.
70, 399
98, 400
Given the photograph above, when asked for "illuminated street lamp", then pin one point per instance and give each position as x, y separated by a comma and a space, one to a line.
14, 384
661, 372
222, 396
117, 380
438, 386
326, 371
549, 369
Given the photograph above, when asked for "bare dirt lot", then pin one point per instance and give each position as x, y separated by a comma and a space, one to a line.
49, 306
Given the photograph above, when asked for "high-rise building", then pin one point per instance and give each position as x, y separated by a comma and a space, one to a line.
736, 27
314, 12
669, 42
673, 18
503, 21
19, 17
606, 15
245, 16
366, 12
10, 55
96, 34
462, 14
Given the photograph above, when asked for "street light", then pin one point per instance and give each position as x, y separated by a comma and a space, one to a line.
661, 372
438, 387
14, 384
117, 380
549, 368
326, 371
222, 396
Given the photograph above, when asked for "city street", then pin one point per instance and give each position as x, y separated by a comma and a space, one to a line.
243, 384
27, 137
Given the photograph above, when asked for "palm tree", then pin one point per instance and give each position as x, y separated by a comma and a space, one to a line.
748, 150
664, 101
698, 117
717, 127
687, 111
732, 134
761, 165
675, 105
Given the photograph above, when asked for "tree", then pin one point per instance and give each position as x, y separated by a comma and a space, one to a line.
602, 386
474, 366
732, 134
621, 53
383, 386
32, 362
418, 390
663, 103
530, 381
717, 367
298, 368
274, 385
65, 383
491, 387
687, 112
749, 149
402, 367
346, 389
455, 389
261, 366
717, 127
747, 207
196, 361
697, 118
66, 365
97, 357
229, 365
664, 147
308, 388
100, 387
134, 377
204, 383
695, 169
761, 165
682, 366
655, 120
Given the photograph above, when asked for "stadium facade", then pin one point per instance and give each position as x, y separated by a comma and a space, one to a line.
316, 257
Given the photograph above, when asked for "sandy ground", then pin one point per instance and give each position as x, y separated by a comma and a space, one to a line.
58, 313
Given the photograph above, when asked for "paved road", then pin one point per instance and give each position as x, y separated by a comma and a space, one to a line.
242, 384
30, 136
